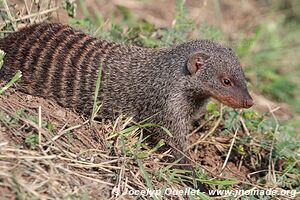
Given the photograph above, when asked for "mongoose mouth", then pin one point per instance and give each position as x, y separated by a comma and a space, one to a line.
235, 102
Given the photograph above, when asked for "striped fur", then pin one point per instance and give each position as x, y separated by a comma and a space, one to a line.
57, 62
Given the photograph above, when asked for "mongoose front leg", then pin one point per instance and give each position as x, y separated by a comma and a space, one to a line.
177, 118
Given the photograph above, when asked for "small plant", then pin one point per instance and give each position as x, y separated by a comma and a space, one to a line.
32, 140
97, 105
16, 77
70, 6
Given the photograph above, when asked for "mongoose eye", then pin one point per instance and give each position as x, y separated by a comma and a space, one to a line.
226, 82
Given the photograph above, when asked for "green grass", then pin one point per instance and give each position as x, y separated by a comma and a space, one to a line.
97, 105
16, 77
271, 66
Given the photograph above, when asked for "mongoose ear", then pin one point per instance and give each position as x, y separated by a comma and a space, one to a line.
196, 61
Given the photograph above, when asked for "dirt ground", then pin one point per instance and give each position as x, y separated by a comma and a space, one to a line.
86, 143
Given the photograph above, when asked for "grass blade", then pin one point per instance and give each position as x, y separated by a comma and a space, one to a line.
96, 108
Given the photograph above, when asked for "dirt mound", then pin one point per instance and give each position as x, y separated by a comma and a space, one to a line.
53, 149
48, 151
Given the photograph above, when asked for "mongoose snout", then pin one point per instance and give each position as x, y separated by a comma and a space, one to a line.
248, 103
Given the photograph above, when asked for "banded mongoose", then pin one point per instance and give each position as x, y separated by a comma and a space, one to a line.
169, 84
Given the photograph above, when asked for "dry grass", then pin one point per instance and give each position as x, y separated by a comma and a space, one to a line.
72, 160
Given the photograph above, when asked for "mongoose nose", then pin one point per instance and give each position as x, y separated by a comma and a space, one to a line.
248, 103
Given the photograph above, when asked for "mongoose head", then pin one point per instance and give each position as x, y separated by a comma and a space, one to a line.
217, 72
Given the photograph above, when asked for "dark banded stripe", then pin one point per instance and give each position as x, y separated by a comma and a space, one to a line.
26, 35
66, 78
73, 80
99, 57
91, 83
24, 55
48, 56
17, 40
32, 44
40, 52
88, 63
58, 82
54, 63
105, 47
30, 65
